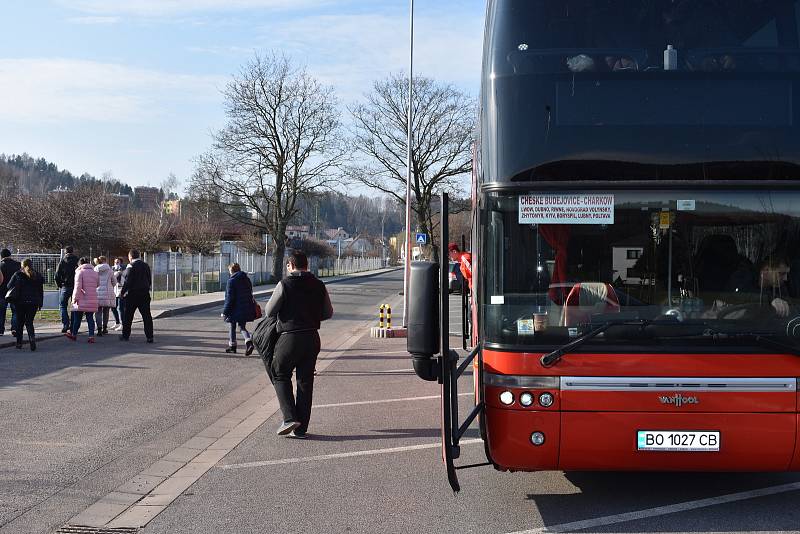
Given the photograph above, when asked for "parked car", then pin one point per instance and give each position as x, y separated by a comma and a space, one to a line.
456, 279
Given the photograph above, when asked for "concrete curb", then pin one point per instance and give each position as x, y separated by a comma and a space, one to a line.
378, 332
213, 304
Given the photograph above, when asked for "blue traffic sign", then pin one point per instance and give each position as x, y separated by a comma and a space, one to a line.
422, 239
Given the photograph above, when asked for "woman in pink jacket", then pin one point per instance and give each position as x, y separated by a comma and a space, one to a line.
84, 298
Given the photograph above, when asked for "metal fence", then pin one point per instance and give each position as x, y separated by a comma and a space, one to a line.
176, 274
323, 267
44, 264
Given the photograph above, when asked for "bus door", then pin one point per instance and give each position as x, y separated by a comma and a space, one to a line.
429, 344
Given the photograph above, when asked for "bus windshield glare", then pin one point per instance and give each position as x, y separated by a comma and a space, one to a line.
707, 266
581, 90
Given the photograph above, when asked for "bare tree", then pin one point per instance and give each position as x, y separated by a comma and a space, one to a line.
148, 230
281, 142
82, 217
169, 187
197, 234
442, 132
254, 243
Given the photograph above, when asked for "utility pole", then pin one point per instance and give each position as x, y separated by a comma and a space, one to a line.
383, 222
407, 266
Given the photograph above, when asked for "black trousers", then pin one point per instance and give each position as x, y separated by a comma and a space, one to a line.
296, 352
25, 314
141, 303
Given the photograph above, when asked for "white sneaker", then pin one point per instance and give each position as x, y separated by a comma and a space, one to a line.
118, 327
287, 428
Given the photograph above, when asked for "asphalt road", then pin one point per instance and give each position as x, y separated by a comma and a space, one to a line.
83, 422
78, 420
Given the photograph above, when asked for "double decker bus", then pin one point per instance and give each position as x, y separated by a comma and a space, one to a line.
636, 240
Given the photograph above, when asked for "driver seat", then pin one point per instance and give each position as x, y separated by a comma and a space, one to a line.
588, 298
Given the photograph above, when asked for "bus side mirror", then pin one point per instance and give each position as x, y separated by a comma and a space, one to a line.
423, 318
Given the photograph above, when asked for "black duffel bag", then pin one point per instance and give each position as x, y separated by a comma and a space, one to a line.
265, 336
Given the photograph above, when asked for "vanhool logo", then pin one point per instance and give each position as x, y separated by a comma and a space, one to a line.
678, 400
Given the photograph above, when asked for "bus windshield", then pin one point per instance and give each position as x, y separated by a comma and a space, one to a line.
708, 265
641, 89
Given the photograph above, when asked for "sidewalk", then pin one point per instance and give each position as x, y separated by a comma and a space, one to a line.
181, 305
354, 373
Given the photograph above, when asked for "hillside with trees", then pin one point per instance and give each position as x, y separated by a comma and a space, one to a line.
37, 176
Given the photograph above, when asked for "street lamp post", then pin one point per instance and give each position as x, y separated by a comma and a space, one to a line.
407, 266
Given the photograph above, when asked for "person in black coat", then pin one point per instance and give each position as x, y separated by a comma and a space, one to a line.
240, 307
65, 280
136, 282
8, 266
29, 288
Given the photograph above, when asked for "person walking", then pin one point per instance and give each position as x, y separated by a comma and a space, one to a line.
118, 269
300, 303
136, 292
65, 281
29, 288
239, 307
84, 299
8, 266
106, 300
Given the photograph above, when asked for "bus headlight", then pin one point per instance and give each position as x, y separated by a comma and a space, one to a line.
526, 399
546, 399
507, 398
537, 438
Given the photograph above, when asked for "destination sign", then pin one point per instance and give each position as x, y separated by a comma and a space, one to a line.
572, 208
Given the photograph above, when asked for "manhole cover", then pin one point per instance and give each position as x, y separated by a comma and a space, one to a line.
79, 529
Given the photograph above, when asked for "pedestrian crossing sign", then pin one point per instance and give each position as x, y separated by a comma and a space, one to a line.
422, 238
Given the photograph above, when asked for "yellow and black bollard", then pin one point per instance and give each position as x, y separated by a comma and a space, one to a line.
384, 328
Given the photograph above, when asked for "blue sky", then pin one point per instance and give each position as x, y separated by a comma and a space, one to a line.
133, 86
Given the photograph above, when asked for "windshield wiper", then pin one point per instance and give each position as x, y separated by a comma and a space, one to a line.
552, 357
765, 339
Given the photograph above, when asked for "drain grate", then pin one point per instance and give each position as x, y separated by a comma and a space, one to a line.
80, 529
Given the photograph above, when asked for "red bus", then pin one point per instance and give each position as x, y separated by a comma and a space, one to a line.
636, 240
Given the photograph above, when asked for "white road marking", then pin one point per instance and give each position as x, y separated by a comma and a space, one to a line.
664, 510
356, 372
381, 401
322, 457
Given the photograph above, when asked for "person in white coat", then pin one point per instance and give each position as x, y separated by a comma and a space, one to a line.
106, 299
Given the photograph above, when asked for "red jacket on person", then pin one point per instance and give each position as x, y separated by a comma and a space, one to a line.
465, 260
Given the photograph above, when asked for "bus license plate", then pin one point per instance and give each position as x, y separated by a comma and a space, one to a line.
677, 440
